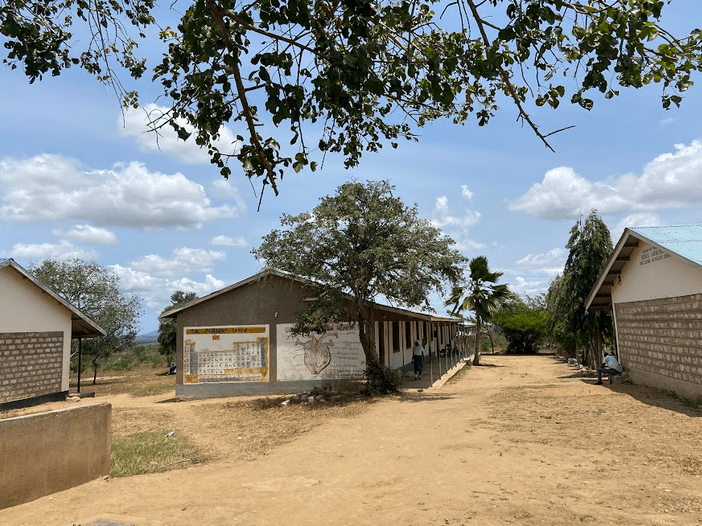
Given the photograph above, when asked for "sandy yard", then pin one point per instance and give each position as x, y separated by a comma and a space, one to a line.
518, 441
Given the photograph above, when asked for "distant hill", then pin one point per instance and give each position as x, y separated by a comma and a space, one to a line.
147, 339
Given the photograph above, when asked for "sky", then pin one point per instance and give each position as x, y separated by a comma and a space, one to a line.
80, 179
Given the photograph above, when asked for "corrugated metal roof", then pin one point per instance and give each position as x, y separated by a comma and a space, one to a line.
172, 313
684, 240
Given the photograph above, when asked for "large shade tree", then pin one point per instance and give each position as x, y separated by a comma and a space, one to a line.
590, 245
300, 78
360, 245
481, 295
95, 290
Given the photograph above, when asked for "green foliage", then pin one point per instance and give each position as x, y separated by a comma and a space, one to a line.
361, 244
371, 72
150, 452
523, 323
590, 246
167, 326
381, 379
481, 294
132, 358
94, 290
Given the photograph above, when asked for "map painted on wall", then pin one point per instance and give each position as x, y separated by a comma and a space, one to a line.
225, 354
333, 355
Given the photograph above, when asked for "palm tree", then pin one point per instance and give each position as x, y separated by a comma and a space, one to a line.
481, 295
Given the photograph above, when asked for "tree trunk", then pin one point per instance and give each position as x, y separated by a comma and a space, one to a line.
95, 370
476, 350
366, 332
595, 346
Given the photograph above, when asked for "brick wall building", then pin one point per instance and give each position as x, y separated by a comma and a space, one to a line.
653, 285
237, 341
36, 330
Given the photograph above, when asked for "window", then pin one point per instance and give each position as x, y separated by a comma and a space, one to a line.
408, 334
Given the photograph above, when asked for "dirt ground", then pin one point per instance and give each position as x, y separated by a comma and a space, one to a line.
520, 440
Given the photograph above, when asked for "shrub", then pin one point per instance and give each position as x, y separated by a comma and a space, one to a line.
381, 379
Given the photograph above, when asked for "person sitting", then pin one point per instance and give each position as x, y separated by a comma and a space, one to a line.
610, 366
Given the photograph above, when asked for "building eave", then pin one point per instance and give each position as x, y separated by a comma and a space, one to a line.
81, 325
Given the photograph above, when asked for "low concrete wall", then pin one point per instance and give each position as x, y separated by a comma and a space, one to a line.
48, 452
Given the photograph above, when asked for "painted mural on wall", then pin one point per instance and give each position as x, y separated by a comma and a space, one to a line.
225, 354
336, 354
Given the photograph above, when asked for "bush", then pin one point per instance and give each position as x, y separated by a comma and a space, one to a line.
381, 380
122, 364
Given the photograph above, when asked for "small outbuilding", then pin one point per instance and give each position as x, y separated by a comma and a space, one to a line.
238, 340
37, 327
652, 283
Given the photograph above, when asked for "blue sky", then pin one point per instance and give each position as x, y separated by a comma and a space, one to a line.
79, 179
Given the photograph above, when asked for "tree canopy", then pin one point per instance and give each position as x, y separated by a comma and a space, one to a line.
481, 294
302, 78
590, 245
364, 244
523, 322
94, 290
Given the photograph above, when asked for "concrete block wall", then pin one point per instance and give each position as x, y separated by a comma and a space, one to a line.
48, 452
660, 343
30, 364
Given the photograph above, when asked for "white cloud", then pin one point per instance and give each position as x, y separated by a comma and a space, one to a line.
59, 251
534, 272
465, 192
198, 287
550, 263
136, 124
643, 219
157, 290
445, 217
227, 241
182, 262
528, 288
52, 187
457, 224
669, 181
90, 235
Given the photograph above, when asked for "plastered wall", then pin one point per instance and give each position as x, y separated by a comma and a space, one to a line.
48, 452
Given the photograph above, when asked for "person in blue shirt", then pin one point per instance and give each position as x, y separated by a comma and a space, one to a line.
610, 366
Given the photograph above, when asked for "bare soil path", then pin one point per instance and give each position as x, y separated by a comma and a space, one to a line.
519, 440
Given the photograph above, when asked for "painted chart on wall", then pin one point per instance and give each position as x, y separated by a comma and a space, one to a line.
336, 354
225, 354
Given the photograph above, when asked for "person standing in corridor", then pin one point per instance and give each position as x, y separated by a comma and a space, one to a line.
418, 359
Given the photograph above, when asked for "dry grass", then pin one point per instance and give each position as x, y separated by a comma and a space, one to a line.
150, 453
143, 380
258, 426
212, 430
240, 429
